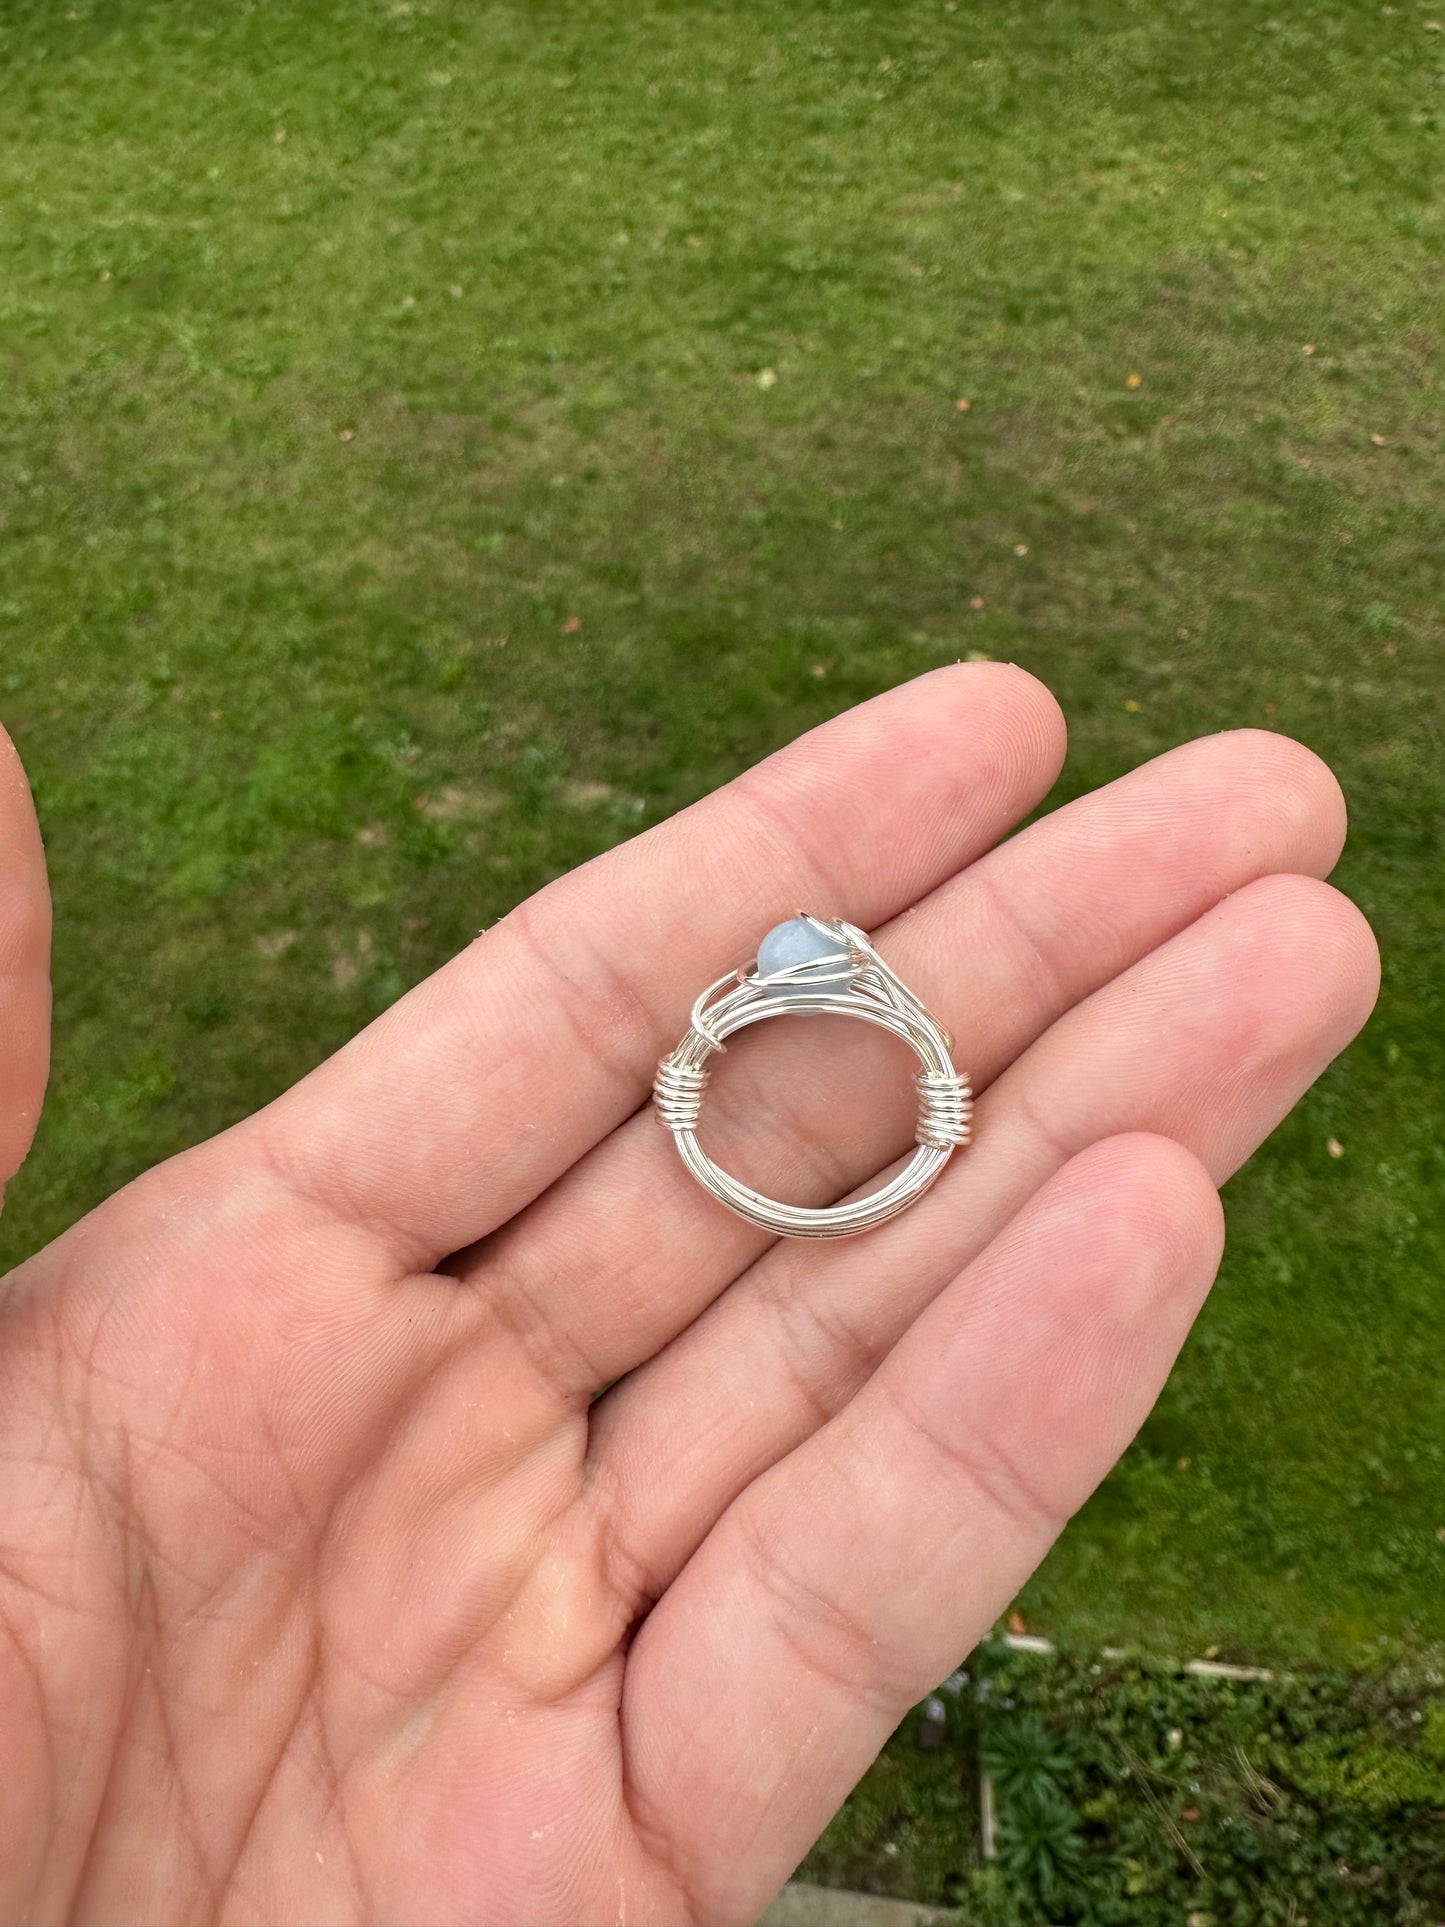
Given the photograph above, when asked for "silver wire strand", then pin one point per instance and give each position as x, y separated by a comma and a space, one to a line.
869, 990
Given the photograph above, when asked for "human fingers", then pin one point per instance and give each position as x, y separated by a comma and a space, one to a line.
24, 965
626, 1250
478, 1089
851, 1577
1209, 1040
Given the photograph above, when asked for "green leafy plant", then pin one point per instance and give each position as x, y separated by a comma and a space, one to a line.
1023, 1756
1040, 1839
1131, 1794
1041, 1843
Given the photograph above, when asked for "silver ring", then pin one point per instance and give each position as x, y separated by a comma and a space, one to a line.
838, 973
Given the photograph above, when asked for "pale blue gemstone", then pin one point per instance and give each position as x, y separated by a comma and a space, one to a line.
796, 942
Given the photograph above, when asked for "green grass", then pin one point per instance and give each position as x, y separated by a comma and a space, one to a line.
352, 356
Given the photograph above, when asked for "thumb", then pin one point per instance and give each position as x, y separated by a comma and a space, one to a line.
24, 965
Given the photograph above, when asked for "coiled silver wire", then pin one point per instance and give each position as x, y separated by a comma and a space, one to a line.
872, 992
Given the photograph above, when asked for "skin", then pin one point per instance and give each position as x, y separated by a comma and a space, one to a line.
330, 1590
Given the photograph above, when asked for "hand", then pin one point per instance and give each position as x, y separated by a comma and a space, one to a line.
330, 1590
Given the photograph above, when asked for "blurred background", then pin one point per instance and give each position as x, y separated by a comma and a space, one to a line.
439, 440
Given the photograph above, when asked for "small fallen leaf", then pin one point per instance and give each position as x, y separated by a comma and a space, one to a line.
1021, 548
1133, 705
767, 378
1308, 348
1378, 440
1334, 1147
963, 404
1016, 1623
977, 602
571, 625
1134, 381
1189, 1813
348, 435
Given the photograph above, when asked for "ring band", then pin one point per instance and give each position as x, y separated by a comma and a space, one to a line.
839, 973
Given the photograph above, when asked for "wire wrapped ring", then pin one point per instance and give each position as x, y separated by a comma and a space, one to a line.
845, 977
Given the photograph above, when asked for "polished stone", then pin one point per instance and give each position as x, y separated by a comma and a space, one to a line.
797, 942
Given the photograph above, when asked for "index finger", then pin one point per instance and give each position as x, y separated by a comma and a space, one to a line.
478, 1088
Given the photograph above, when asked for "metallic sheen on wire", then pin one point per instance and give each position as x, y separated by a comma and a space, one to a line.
866, 988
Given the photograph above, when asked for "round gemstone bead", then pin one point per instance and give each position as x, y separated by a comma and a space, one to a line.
797, 942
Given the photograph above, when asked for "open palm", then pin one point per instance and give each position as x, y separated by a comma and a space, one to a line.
331, 1590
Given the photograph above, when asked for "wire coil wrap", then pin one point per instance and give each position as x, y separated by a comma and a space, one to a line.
851, 981
945, 1110
678, 1092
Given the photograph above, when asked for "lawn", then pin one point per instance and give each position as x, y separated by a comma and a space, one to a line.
438, 440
